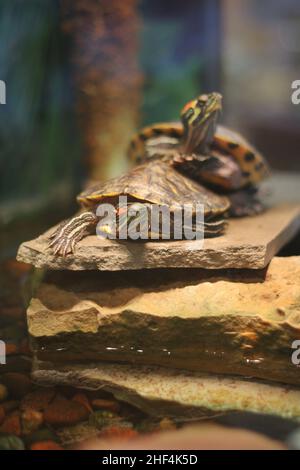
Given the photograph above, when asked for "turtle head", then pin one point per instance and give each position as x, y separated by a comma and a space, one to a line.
199, 118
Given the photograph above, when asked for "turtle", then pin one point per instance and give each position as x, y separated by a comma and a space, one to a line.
153, 183
213, 155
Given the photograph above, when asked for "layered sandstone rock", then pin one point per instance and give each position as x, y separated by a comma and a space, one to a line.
221, 321
168, 392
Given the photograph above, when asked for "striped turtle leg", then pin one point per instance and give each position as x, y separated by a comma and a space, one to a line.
64, 239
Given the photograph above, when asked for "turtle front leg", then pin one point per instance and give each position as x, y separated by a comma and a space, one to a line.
71, 231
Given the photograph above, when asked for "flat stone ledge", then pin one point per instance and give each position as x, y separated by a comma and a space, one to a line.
166, 392
249, 242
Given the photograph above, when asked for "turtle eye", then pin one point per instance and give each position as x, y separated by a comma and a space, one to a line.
189, 113
188, 117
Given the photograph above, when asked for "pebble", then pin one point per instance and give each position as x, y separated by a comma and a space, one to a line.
83, 400
46, 445
11, 443
10, 405
100, 419
166, 424
70, 435
101, 404
118, 432
12, 424
147, 426
3, 392
11, 349
38, 400
18, 384
43, 434
65, 412
31, 421
2, 414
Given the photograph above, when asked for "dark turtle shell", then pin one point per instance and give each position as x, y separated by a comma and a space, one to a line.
156, 182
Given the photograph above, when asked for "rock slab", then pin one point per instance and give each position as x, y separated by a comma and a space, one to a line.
166, 392
249, 242
225, 322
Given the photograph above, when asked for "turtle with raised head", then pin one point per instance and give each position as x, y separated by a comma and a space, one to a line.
154, 183
213, 155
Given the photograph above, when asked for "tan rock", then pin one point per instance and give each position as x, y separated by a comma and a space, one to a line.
167, 392
235, 322
249, 242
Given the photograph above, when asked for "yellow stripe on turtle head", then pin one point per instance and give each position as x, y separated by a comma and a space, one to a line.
199, 118
200, 109
189, 105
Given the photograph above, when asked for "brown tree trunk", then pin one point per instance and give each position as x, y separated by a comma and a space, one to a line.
108, 81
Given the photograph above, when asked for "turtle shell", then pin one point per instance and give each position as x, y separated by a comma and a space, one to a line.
156, 182
253, 165
239, 163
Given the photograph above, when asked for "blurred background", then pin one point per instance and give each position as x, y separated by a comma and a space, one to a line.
83, 75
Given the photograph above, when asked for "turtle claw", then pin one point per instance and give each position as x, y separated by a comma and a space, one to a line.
65, 237
62, 246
